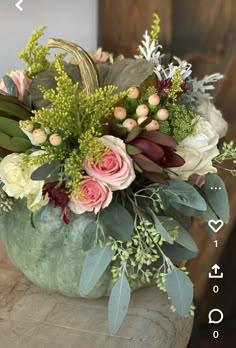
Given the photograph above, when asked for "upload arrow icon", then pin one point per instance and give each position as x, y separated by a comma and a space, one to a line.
216, 274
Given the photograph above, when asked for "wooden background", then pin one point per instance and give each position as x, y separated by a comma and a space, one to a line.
204, 33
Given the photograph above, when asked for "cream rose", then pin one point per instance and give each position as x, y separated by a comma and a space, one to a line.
214, 116
195, 163
198, 150
95, 196
15, 175
116, 169
21, 81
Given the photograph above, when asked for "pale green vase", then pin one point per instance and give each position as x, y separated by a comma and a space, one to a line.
50, 255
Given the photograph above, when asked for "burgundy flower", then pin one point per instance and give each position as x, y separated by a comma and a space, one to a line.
163, 85
155, 152
58, 195
166, 84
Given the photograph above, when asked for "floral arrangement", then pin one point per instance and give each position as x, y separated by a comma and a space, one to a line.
132, 143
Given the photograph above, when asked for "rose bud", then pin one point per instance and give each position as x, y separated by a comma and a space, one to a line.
120, 113
39, 136
142, 110
129, 124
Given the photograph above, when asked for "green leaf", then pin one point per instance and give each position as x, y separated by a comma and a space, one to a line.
118, 221
89, 235
132, 150
45, 170
15, 110
176, 252
159, 227
118, 304
218, 199
182, 193
11, 127
10, 86
184, 237
128, 72
180, 291
182, 219
133, 134
146, 164
95, 264
14, 144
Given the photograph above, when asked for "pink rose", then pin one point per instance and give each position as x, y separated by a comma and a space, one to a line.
22, 82
95, 196
116, 169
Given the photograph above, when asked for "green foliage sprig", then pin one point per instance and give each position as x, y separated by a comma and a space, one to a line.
176, 81
179, 124
35, 55
79, 119
227, 153
64, 99
155, 28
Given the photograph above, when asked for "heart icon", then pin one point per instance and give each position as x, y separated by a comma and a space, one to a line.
215, 225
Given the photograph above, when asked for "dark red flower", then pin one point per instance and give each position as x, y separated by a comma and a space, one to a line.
57, 194
156, 154
164, 85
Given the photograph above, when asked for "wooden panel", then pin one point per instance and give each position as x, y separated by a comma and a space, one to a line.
122, 23
32, 317
204, 33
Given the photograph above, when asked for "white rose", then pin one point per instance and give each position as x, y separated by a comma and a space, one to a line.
15, 175
198, 150
195, 163
214, 116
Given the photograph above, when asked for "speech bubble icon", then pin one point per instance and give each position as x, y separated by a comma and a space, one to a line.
212, 321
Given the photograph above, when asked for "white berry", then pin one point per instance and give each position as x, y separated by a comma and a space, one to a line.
129, 124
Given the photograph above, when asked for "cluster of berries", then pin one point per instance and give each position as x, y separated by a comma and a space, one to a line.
40, 135
133, 113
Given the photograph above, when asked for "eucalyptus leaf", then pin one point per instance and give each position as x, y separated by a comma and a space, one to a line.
177, 252
89, 235
118, 221
46, 170
183, 193
118, 304
184, 237
180, 291
159, 226
218, 199
10, 86
95, 264
182, 219
128, 72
